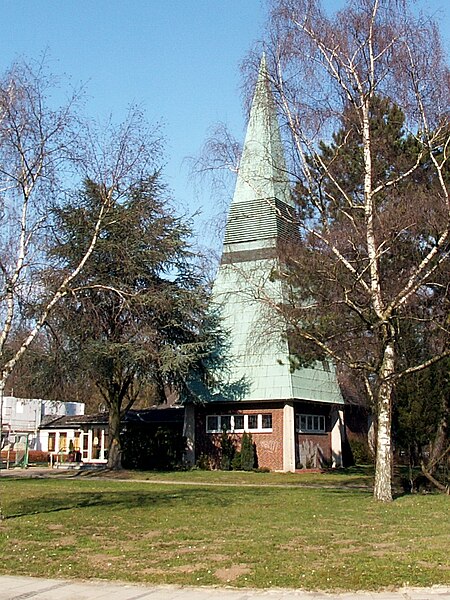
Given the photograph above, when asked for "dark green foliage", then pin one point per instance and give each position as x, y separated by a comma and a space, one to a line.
360, 451
422, 408
247, 452
135, 314
137, 322
236, 463
347, 324
152, 448
228, 450
132, 321
203, 462
408, 217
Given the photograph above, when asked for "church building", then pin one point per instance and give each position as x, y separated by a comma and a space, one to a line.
295, 417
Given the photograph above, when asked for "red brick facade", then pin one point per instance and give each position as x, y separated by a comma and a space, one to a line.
269, 446
312, 449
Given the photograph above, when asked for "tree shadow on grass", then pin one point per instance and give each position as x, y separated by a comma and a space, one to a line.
184, 497
121, 500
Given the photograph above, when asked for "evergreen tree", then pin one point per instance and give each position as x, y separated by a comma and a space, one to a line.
247, 452
375, 227
343, 321
132, 321
421, 422
227, 451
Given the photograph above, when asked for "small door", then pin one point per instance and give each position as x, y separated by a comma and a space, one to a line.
85, 450
96, 444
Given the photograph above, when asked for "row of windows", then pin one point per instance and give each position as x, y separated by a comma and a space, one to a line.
62, 442
238, 423
261, 422
99, 443
310, 423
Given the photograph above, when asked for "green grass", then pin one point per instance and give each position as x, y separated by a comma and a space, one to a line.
314, 538
359, 477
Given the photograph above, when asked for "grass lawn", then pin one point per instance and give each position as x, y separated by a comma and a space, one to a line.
256, 536
351, 477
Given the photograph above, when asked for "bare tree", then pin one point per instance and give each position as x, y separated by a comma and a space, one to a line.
374, 240
216, 166
45, 151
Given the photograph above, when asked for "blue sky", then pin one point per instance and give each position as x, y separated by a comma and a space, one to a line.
178, 59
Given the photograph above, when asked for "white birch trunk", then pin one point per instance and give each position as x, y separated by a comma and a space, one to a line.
383, 469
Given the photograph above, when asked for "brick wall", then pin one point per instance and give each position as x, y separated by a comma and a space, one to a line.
312, 449
269, 445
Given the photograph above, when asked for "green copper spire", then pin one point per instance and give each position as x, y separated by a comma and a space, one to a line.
260, 220
260, 214
262, 169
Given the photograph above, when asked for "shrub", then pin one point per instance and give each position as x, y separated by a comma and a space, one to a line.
203, 463
38, 456
152, 448
227, 451
236, 463
247, 452
361, 451
34, 457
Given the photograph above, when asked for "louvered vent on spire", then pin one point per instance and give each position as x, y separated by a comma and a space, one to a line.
262, 206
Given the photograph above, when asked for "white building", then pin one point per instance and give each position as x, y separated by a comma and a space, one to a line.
24, 416
84, 435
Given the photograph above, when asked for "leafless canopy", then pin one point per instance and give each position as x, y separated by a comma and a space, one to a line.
374, 214
47, 149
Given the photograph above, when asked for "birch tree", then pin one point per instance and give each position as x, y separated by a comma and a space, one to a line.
372, 252
45, 151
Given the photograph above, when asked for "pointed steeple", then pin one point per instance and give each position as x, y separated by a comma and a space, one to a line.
259, 221
246, 293
262, 169
259, 216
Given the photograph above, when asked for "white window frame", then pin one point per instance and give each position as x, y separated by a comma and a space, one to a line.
259, 428
312, 423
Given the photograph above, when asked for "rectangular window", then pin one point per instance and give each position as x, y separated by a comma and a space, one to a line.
105, 445
51, 442
96, 443
62, 442
76, 441
266, 421
238, 422
212, 423
225, 423
253, 421
85, 445
310, 423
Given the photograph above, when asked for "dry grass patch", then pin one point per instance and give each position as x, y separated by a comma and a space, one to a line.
181, 534
230, 574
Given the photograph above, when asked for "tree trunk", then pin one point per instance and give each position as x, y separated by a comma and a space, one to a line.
383, 467
440, 442
115, 449
440, 486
